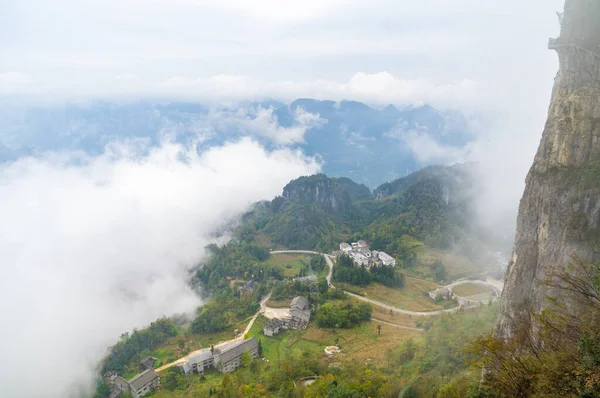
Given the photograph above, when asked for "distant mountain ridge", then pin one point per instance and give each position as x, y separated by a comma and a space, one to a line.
355, 140
317, 212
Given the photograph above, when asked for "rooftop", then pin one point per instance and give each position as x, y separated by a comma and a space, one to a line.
203, 355
299, 302
235, 350
143, 378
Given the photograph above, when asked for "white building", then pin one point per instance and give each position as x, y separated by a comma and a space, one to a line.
346, 248
360, 259
387, 260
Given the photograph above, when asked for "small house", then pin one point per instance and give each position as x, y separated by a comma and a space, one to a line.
387, 260
273, 327
147, 363
143, 383
346, 248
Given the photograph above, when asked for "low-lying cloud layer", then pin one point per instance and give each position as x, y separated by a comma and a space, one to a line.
94, 246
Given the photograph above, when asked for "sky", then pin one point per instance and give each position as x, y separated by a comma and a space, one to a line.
91, 247
438, 51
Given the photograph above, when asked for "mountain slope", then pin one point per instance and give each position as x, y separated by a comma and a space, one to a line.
319, 212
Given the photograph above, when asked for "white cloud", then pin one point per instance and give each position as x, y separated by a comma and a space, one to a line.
375, 88
428, 151
92, 247
15, 83
258, 122
263, 122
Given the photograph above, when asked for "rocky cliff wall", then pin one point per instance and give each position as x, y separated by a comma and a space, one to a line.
559, 214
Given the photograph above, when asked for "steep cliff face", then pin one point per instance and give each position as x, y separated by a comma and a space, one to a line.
559, 214
327, 193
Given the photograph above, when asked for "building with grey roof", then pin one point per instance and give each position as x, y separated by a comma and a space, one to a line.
299, 313
147, 363
298, 319
387, 259
200, 361
143, 383
228, 358
273, 327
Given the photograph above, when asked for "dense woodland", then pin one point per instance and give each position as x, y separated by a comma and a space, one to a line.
131, 347
345, 315
434, 205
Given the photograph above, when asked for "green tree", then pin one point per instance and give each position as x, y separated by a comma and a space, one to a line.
260, 349
408, 392
102, 390
246, 359
173, 378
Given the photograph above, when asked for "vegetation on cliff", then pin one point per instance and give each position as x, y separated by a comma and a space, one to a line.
562, 359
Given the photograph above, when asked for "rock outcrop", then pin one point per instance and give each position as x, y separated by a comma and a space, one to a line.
327, 193
559, 214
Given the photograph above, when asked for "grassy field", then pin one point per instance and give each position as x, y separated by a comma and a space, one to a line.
360, 343
411, 297
471, 289
394, 317
457, 266
279, 303
289, 264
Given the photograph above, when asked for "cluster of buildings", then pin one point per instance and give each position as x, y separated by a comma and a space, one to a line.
144, 382
298, 318
225, 358
360, 253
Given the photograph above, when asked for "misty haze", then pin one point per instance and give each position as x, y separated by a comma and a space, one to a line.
320, 199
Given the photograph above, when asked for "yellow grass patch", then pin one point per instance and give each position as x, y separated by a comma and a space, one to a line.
471, 289
411, 297
457, 265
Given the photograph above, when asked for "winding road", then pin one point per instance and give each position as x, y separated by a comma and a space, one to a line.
495, 286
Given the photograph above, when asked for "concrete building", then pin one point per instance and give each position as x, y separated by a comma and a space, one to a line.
359, 259
298, 319
442, 292
143, 383
273, 327
225, 358
387, 260
299, 313
147, 363
139, 386
346, 248
200, 361
229, 357
116, 384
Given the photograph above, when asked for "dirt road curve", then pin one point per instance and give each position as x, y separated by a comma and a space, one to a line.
497, 286
327, 259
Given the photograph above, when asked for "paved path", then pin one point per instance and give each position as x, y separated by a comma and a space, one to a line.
399, 310
396, 325
495, 285
183, 360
